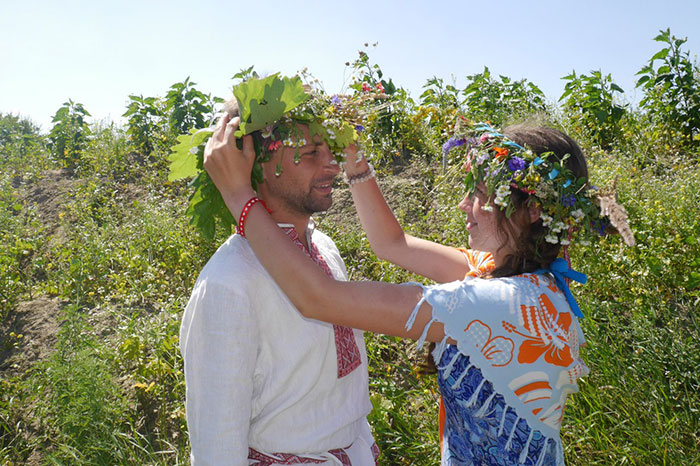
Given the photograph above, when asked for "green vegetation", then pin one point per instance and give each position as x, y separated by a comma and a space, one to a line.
97, 261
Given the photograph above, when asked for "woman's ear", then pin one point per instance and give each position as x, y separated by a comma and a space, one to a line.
534, 211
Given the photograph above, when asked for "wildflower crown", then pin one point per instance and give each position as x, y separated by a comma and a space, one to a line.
571, 208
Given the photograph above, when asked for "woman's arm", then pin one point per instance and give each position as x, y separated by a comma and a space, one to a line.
374, 306
387, 238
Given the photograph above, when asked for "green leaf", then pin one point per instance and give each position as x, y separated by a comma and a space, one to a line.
642, 80
661, 54
617, 88
262, 102
600, 115
693, 280
183, 163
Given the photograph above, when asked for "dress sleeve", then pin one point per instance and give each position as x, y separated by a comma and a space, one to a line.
218, 344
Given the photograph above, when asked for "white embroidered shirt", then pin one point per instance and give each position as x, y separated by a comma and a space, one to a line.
261, 376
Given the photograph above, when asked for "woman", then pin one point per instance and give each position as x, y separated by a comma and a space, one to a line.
508, 343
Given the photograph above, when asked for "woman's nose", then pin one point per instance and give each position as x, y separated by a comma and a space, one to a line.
465, 204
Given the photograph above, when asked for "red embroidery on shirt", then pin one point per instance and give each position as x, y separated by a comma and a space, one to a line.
279, 458
375, 452
348, 354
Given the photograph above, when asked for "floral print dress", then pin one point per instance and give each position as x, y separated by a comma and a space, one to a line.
504, 384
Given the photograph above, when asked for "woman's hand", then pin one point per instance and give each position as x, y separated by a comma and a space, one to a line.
355, 161
228, 166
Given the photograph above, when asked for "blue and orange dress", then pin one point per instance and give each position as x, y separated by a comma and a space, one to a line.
516, 359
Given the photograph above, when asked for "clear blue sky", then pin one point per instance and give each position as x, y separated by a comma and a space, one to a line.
98, 52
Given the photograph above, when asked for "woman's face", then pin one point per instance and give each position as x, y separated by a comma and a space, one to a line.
484, 234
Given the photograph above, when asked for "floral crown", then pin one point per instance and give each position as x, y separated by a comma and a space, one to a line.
270, 110
571, 208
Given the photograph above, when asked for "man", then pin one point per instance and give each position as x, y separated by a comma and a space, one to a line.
266, 386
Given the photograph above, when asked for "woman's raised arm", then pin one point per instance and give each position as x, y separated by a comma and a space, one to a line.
388, 239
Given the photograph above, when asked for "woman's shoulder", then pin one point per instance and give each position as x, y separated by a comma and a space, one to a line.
480, 263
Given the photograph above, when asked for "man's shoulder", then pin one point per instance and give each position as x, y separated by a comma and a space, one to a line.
233, 262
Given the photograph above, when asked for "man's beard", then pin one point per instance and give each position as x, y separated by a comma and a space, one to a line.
303, 202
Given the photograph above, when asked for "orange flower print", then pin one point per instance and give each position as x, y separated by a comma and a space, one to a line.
548, 334
498, 351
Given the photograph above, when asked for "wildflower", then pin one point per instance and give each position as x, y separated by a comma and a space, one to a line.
516, 163
501, 193
578, 215
568, 200
335, 100
546, 220
359, 128
482, 158
564, 242
543, 190
487, 208
490, 173
452, 143
500, 152
558, 226
365, 87
380, 87
274, 145
550, 238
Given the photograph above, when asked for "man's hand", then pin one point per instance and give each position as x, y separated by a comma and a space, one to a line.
228, 166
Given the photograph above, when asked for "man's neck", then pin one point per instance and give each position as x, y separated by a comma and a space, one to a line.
300, 224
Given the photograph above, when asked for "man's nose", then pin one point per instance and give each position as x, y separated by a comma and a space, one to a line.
328, 159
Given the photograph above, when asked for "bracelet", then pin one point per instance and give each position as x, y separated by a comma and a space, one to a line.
244, 213
362, 177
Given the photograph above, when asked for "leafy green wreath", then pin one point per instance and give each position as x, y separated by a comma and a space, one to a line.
270, 110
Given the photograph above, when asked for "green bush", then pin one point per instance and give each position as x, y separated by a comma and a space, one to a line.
70, 133
672, 92
590, 102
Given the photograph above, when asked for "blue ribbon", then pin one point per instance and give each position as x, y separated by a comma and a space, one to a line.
560, 269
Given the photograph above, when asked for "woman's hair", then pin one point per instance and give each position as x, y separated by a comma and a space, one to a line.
532, 252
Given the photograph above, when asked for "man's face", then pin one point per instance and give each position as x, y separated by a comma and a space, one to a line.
305, 187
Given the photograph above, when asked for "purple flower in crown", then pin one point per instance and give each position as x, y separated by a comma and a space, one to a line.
483, 157
489, 173
600, 226
335, 100
516, 163
568, 200
359, 128
451, 144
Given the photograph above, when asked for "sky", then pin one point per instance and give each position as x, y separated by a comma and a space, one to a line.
98, 53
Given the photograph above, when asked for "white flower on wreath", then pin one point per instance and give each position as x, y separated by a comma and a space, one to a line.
558, 226
578, 215
551, 238
546, 220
